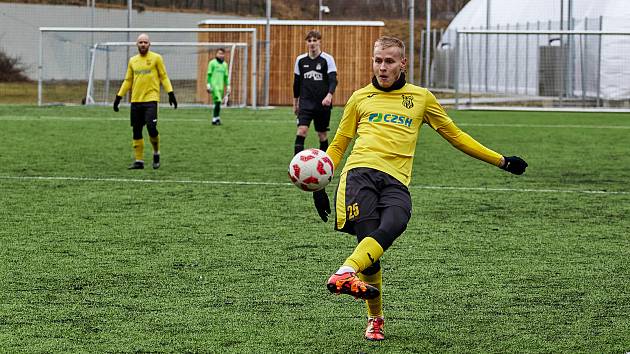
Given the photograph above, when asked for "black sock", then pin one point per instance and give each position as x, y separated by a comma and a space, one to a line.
299, 143
323, 145
217, 109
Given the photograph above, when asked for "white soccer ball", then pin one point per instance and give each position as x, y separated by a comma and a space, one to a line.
311, 170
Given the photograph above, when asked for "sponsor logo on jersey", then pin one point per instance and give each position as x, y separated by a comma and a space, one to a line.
313, 75
390, 118
407, 101
142, 72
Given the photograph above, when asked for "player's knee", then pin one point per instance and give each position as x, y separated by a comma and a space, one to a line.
302, 130
394, 220
393, 223
152, 129
137, 132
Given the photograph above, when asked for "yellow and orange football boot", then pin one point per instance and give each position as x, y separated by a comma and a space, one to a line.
349, 283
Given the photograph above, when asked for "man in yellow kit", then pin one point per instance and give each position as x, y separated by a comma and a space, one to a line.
373, 200
145, 72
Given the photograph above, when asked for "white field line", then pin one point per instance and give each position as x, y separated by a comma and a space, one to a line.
247, 183
545, 126
292, 122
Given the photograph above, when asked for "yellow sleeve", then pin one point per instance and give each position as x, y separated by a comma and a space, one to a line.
126, 85
337, 148
349, 120
434, 114
345, 132
166, 82
468, 145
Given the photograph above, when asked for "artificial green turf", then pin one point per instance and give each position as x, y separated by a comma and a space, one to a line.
97, 259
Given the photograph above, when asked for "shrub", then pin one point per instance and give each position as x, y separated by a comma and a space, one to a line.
11, 68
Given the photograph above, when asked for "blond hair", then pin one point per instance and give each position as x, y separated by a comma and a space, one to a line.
387, 42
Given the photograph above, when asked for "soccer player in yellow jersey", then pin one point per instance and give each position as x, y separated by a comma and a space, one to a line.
145, 72
373, 200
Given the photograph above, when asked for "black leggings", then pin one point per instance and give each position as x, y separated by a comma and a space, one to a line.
137, 131
392, 223
144, 113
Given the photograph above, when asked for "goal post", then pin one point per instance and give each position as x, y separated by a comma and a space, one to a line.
86, 65
186, 64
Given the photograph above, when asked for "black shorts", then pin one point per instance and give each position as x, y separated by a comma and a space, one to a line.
362, 194
320, 118
144, 113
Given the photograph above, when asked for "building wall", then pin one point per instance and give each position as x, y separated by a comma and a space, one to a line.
350, 45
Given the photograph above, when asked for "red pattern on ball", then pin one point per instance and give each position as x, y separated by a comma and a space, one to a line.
320, 168
310, 180
293, 179
307, 158
296, 170
329, 161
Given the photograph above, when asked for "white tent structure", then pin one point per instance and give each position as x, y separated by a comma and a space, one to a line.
583, 64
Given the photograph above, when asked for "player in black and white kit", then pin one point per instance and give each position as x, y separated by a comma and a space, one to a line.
315, 80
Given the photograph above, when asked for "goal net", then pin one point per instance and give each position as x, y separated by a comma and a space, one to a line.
88, 65
186, 64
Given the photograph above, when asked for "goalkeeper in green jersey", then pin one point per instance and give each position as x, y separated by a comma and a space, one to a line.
145, 73
372, 200
218, 83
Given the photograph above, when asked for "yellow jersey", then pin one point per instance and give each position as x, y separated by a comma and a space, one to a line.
387, 125
144, 75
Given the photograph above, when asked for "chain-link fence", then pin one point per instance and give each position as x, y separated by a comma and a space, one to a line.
541, 68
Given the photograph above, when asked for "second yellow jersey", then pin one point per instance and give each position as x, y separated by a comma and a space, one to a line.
387, 126
144, 75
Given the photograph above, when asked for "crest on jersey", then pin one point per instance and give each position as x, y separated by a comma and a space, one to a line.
407, 101
318, 67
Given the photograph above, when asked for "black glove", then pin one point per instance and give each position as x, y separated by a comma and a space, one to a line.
514, 164
171, 99
116, 103
322, 204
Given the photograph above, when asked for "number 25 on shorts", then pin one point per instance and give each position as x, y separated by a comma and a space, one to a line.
353, 211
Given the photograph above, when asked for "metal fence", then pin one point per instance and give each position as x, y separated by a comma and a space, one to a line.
541, 68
